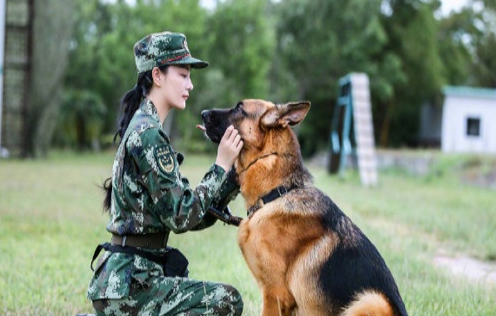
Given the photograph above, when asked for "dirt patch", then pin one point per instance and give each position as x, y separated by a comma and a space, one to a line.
471, 268
480, 171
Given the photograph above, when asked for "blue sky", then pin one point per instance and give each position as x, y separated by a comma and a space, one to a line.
449, 5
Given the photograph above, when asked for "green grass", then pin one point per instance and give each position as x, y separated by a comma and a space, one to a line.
51, 220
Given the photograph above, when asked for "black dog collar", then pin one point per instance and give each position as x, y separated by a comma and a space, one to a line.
276, 193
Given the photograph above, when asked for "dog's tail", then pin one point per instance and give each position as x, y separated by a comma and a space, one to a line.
369, 303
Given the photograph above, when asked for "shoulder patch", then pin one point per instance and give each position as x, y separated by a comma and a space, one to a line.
165, 158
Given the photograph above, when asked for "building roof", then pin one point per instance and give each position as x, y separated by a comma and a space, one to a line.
469, 92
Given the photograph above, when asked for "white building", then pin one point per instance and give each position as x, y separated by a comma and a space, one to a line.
469, 120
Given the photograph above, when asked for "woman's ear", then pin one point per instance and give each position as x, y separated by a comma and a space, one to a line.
156, 76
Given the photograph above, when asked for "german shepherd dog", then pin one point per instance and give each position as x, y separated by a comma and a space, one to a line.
307, 256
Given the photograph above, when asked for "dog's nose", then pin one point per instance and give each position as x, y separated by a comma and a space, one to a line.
205, 114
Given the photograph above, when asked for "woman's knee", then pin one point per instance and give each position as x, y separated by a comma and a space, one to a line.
234, 300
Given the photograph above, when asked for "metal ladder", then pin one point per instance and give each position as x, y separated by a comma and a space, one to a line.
351, 140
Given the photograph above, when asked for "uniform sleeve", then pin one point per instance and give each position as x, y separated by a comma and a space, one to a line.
227, 193
174, 202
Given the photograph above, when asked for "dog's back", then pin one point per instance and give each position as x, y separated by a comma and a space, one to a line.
348, 275
355, 274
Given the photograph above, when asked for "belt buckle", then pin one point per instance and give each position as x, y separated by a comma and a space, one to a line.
283, 189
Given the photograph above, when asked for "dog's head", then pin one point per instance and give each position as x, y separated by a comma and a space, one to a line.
253, 119
270, 156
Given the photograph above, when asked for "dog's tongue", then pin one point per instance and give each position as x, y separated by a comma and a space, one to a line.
201, 127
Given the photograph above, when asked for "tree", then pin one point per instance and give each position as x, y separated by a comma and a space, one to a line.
320, 41
412, 30
291, 50
484, 67
102, 58
80, 119
241, 48
52, 27
455, 33
467, 40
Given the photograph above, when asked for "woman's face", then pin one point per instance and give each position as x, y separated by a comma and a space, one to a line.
176, 86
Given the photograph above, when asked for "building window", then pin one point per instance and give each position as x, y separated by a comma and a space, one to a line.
473, 126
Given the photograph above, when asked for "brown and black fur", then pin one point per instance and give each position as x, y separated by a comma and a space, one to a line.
307, 256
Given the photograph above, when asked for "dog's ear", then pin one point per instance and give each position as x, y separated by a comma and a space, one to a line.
291, 113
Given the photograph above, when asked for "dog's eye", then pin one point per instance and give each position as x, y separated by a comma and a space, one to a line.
239, 107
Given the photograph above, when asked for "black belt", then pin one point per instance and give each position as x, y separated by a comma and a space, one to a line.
131, 243
129, 250
153, 241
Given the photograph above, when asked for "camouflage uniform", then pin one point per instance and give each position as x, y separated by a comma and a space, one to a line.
149, 195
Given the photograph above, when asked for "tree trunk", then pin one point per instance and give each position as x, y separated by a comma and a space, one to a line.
386, 125
51, 33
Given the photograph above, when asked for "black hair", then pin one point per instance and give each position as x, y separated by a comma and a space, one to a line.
130, 102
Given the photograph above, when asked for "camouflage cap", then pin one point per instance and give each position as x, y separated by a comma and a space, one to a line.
164, 48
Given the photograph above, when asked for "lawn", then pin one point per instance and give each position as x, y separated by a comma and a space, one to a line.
51, 220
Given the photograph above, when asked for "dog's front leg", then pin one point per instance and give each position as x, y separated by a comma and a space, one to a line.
277, 302
268, 252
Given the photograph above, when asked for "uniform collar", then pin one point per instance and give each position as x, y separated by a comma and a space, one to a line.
149, 108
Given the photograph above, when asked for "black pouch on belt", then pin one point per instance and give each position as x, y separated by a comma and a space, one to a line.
176, 264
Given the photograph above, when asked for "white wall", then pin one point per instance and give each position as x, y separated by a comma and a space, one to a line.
457, 109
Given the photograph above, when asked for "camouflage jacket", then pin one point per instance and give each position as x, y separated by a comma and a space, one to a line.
149, 195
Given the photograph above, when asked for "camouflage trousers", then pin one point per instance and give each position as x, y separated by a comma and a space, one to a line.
174, 296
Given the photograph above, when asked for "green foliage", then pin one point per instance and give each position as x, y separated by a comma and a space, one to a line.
486, 69
80, 120
290, 50
452, 37
322, 41
106, 33
239, 49
102, 56
468, 40
411, 29
242, 48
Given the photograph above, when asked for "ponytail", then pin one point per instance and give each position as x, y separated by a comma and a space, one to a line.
107, 190
131, 102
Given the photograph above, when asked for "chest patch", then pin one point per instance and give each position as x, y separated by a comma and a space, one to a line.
164, 156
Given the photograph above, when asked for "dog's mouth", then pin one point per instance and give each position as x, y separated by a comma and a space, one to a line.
214, 124
201, 127
212, 137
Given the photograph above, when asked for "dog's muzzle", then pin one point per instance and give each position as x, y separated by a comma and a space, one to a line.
213, 130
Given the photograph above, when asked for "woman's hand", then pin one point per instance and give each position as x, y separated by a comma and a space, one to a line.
229, 148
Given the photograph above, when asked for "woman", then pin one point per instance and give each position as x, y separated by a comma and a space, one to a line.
147, 197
